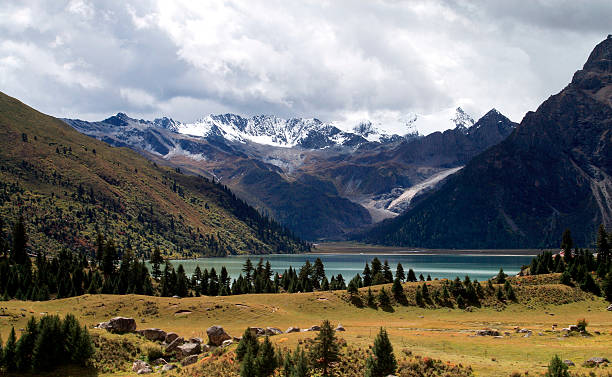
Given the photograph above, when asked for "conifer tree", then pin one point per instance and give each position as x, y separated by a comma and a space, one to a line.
20, 240
383, 299
603, 248
25, 345
367, 276
399, 273
248, 341
398, 290
266, 361
566, 242
10, 352
370, 298
325, 349
247, 368
156, 261
387, 274
557, 368
501, 276
411, 276
300, 364
383, 362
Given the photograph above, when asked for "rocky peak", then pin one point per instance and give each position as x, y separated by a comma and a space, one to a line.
462, 120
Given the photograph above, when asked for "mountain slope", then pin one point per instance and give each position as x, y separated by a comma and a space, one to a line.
68, 185
554, 172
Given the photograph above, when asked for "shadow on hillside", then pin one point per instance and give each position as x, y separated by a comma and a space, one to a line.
70, 371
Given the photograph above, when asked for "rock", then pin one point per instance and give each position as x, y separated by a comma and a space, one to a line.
609, 308
170, 337
189, 349
314, 328
569, 363
340, 328
540, 334
189, 360
227, 343
596, 361
168, 367
196, 340
138, 365
159, 361
257, 331
524, 331
145, 370
292, 329
487, 332
175, 296
507, 333
573, 328
174, 345
216, 335
528, 335
205, 347
119, 325
153, 334
271, 331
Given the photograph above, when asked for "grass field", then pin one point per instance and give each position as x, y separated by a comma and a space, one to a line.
441, 333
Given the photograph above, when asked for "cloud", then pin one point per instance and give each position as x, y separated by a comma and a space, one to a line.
335, 60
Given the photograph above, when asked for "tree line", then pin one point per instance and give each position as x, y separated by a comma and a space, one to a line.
580, 267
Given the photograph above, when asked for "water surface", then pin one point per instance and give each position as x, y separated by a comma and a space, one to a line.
476, 265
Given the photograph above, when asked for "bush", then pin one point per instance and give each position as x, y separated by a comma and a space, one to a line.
557, 368
582, 324
154, 353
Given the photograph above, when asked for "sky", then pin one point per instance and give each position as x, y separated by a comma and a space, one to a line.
335, 60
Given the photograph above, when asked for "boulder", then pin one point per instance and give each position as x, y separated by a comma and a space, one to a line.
159, 361
487, 332
340, 328
271, 331
227, 343
189, 349
189, 360
119, 325
569, 363
168, 367
174, 345
292, 329
196, 340
573, 328
610, 308
524, 331
170, 337
216, 335
145, 370
313, 328
138, 365
153, 334
596, 361
257, 331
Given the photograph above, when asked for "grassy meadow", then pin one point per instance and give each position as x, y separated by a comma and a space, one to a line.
440, 333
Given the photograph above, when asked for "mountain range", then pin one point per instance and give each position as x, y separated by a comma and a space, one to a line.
554, 172
316, 179
69, 187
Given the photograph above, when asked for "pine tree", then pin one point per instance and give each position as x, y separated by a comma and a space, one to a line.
20, 240
607, 287
266, 361
411, 276
248, 341
367, 276
603, 248
566, 242
370, 298
10, 352
399, 273
383, 299
557, 368
300, 364
156, 261
398, 290
501, 276
25, 345
383, 362
319, 271
109, 257
248, 369
509, 291
352, 288
387, 274
325, 349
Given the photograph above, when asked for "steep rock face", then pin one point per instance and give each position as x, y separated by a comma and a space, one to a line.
554, 172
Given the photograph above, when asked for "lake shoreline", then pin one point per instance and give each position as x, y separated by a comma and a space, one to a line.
330, 248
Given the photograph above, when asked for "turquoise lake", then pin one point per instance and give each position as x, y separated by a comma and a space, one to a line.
477, 266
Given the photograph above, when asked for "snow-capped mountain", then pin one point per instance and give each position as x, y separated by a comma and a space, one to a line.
462, 120
308, 133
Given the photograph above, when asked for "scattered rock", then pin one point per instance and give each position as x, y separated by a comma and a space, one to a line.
189, 360
196, 340
292, 329
314, 328
524, 331
118, 325
596, 361
540, 334
159, 361
216, 335
528, 335
174, 345
189, 349
609, 308
227, 343
569, 363
573, 328
138, 365
145, 370
487, 332
168, 367
153, 334
257, 331
340, 328
271, 331
170, 337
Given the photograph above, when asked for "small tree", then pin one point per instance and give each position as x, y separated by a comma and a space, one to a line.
247, 368
370, 298
557, 368
266, 361
156, 261
248, 341
325, 349
566, 278
399, 272
300, 364
411, 275
383, 298
566, 241
501, 276
582, 324
398, 290
10, 352
383, 362
509, 291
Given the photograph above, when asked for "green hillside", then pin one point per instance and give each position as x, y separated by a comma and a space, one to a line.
68, 187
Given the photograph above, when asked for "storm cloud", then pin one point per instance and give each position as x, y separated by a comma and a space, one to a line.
336, 60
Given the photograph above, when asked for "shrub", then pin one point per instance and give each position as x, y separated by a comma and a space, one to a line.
153, 353
582, 324
557, 368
